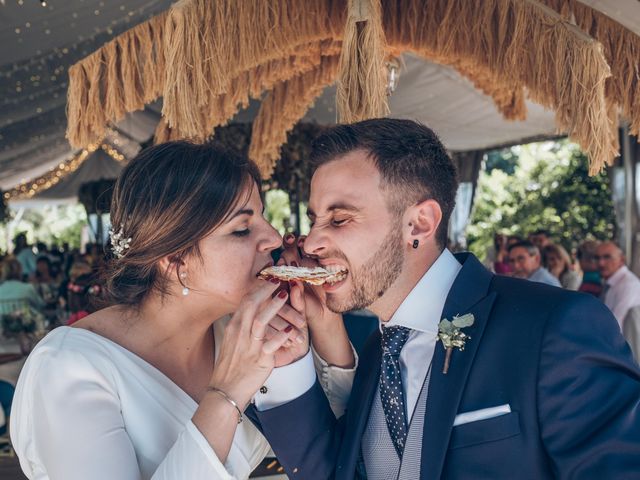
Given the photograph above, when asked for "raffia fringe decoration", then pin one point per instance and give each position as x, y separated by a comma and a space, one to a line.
210, 56
211, 45
509, 99
530, 46
362, 90
194, 55
118, 78
282, 108
621, 49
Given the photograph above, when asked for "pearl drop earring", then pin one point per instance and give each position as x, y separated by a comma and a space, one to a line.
185, 290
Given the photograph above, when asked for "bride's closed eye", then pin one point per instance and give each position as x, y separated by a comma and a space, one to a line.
241, 233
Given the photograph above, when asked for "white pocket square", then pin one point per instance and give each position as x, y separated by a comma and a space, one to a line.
482, 414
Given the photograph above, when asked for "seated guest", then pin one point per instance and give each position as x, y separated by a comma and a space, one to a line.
501, 264
621, 288
81, 293
559, 265
526, 260
47, 287
24, 254
541, 238
14, 293
77, 269
591, 280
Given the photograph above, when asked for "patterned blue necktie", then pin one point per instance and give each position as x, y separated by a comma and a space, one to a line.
391, 391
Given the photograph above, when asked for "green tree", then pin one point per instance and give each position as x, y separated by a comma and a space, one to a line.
549, 188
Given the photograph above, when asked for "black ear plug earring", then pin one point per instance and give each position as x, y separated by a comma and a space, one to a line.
415, 244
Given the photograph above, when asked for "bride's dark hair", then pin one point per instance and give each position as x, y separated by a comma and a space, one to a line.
166, 200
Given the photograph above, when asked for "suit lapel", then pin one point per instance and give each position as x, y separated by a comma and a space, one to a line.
359, 405
467, 295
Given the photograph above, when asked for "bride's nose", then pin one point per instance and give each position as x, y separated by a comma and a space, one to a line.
272, 240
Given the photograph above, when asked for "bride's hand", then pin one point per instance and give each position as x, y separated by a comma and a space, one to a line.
247, 354
291, 319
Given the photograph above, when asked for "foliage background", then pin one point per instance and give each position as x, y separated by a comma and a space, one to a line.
540, 185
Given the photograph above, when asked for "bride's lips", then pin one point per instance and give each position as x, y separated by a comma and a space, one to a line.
266, 265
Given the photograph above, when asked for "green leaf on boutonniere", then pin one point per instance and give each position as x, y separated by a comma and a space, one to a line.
451, 336
463, 321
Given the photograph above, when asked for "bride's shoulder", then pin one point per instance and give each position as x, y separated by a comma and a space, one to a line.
89, 344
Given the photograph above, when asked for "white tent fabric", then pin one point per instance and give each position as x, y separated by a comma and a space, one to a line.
44, 41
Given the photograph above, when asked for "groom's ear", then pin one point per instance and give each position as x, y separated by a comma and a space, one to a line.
422, 221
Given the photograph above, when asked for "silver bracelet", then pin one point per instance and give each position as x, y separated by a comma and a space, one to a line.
228, 399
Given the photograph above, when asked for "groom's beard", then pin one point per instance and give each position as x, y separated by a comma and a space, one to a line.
374, 277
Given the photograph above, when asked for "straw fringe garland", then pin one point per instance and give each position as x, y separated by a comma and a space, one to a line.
207, 58
362, 91
282, 108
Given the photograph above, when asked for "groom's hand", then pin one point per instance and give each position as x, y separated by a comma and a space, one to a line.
316, 309
328, 333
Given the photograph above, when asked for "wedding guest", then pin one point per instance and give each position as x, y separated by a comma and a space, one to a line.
527, 263
24, 254
47, 287
83, 294
559, 265
78, 268
540, 238
14, 293
501, 264
155, 384
591, 280
621, 289
513, 239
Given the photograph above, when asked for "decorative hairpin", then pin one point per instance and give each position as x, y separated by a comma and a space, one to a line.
118, 241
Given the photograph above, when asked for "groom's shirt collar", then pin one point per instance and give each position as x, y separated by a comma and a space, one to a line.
422, 309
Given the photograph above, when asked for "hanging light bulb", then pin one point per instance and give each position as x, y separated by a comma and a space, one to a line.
393, 71
43, 3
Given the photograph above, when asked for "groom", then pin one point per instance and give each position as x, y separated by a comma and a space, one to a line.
540, 383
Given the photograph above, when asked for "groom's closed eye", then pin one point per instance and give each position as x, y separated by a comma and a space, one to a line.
337, 222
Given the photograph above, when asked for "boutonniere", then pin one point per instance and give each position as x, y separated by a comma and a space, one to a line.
450, 334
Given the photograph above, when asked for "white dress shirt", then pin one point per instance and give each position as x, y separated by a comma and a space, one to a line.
421, 311
622, 293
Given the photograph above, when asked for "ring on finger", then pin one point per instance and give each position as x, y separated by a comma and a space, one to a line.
257, 338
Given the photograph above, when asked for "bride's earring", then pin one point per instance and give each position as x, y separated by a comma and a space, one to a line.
185, 290
415, 243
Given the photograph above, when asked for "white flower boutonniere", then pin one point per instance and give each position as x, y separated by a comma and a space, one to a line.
450, 334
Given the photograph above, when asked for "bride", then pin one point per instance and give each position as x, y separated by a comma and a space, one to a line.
155, 385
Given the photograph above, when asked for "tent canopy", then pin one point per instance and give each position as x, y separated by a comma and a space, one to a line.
46, 41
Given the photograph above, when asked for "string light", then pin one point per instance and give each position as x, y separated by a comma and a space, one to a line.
29, 188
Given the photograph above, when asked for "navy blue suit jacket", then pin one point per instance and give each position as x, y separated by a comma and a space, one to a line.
556, 357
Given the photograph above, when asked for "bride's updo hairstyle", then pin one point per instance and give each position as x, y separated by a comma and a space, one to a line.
167, 199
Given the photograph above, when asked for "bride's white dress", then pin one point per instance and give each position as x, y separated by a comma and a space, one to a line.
87, 408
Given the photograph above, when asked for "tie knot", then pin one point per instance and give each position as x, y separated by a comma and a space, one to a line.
393, 339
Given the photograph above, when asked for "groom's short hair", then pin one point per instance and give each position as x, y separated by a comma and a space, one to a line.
413, 163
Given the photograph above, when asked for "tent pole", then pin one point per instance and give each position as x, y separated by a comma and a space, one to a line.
629, 197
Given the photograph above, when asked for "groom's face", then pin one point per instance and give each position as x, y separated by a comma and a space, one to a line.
353, 228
